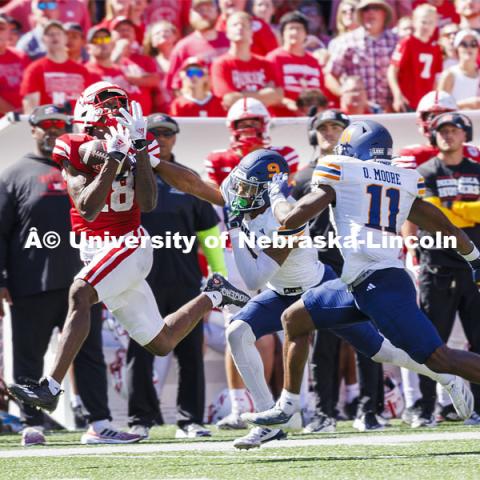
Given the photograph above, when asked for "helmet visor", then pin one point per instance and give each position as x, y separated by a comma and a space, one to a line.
246, 194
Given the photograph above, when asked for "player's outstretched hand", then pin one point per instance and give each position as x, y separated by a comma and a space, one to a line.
118, 142
278, 187
136, 123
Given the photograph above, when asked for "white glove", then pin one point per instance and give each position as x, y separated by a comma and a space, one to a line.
135, 123
118, 142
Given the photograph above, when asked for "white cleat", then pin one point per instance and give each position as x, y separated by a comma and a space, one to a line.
258, 435
462, 397
232, 421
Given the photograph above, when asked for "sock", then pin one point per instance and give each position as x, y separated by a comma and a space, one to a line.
411, 387
289, 402
237, 399
443, 397
390, 354
76, 401
248, 361
53, 386
100, 425
352, 391
215, 298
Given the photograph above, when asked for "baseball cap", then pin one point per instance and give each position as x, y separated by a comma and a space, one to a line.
53, 23
94, 30
190, 61
332, 116
118, 20
161, 120
73, 27
452, 118
460, 36
48, 112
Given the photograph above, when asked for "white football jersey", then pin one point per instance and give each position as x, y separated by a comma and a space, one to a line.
373, 200
301, 270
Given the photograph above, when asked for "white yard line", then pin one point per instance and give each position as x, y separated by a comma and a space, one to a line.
226, 447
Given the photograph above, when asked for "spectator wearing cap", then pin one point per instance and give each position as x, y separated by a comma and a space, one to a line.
131, 9
159, 42
139, 69
68, 11
33, 195
469, 12
354, 99
204, 42
175, 279
172, 11
240, 73
297, 69
196, 98
418, 56
12, 66
462, 81
32, 42
54, 78
263, 40
76, 43
366, 52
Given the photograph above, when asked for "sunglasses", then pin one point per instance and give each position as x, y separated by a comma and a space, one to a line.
162, 132
47, 5
195, 72
47, 124
468, 44
449, 34
101, 40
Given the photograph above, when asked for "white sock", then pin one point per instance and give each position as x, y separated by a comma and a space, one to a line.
289, 402
237, 399
390, 354
215, 298
100, 425
352, 391
411, 387
53, 385
76, 401
248, 361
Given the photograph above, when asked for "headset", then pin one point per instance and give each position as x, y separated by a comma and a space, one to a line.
326, 116
452, 118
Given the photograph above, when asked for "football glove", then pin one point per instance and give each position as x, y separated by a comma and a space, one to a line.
278, 188
117, 143
233, 218
136, 124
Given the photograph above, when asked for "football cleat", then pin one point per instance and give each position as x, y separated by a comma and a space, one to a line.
192, 430
258, 435
36, 394
108, 436
367, 422
273, 417
232, 421
33, 436
141, 430
321, 424
230, 294
461, 396
423, 419
473, 421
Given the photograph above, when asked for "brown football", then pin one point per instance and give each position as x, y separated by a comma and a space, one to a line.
93, 152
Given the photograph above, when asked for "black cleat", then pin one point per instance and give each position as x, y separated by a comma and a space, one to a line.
230, 294
36, 394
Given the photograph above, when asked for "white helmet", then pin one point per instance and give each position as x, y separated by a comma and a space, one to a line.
248, 107
431, 104
92, 109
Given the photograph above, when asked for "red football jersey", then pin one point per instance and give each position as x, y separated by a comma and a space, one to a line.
414, 155
418, 63
188, 107
121, 213
220, 163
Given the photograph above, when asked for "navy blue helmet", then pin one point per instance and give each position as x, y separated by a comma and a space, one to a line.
249, 179
365, 140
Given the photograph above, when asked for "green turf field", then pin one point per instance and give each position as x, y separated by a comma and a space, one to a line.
393, 454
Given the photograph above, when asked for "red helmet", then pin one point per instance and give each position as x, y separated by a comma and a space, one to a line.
432, 104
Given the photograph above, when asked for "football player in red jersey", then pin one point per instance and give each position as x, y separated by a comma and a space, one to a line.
107, 201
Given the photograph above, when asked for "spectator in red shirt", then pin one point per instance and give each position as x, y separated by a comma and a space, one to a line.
204, 42
76, 43
239, 73
159, 42
354, 99
54, 78
131, 9
469, 12
297, 69
264, 40
173, 11
417, 57
196, 99
12, 65
264, 9
140, 70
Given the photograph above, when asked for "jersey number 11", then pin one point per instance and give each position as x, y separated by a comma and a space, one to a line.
376, 215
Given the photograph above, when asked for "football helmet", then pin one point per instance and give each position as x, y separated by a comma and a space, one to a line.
249, 179
430, 105
248, 137
365, 140
98, 105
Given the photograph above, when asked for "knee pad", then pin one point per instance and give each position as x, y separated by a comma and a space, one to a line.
239, 333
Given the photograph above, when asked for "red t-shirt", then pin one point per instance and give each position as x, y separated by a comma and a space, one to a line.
174, 11
194, 45
230, 74
12, 65
139, 29
56, 82
295, 73
264, 40
418, 63
188, 107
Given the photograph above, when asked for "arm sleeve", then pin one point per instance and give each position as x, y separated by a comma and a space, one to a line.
257, 270
7, 214
214, 255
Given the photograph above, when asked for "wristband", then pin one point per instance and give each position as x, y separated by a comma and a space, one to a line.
473, 255
154, 161
140, 144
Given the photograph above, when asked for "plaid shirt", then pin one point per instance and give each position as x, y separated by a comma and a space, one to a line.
356, 53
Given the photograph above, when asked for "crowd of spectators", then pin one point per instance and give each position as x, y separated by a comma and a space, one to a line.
197, 57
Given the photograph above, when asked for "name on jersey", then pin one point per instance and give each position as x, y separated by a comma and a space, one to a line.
382, 175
